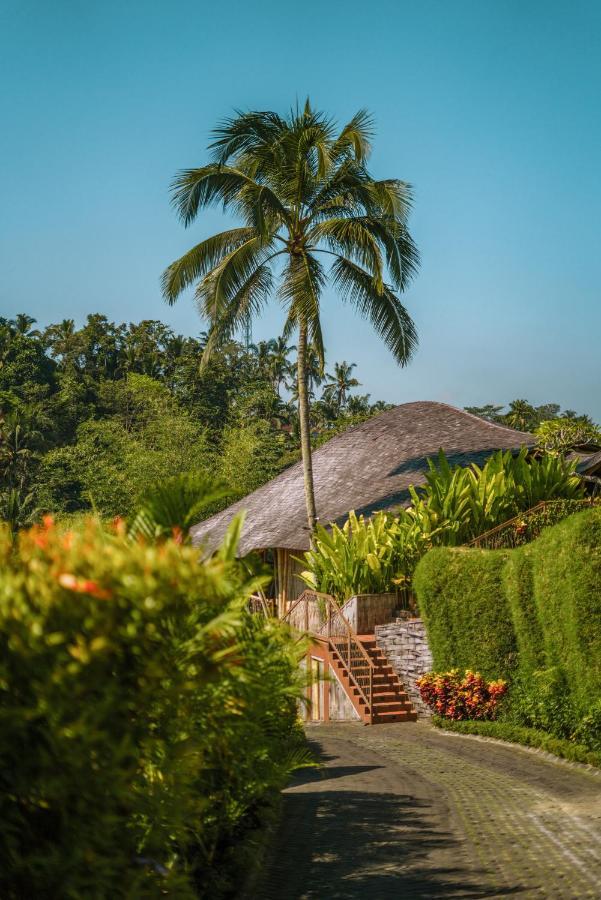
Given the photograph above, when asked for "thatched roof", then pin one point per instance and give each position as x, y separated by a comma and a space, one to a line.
366, 468
590, 465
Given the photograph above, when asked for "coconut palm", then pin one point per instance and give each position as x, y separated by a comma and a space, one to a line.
340, 383
280, 364
306, 201
521, 415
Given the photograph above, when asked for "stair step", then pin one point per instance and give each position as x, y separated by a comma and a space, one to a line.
389, 701
390, 706
405, 716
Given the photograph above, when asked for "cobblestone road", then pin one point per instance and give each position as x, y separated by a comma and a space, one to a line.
405, 811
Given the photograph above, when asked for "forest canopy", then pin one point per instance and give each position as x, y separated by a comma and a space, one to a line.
92, 417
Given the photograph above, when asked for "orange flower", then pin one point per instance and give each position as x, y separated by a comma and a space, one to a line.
83, 586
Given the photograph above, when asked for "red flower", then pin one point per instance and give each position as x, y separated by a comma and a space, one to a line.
83, 586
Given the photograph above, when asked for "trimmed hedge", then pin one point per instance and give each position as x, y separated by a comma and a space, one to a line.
146, 718
462, 601
530, 737
518, 585
531, 615
567, 592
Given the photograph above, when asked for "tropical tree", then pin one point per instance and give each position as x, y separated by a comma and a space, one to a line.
279, 363
305, 200
340, 383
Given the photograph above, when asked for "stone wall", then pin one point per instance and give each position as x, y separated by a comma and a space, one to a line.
405, 643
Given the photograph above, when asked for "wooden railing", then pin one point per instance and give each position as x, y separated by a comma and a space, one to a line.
526, 526
320, 616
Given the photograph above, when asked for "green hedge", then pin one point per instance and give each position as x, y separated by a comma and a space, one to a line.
530, 737
462, 600
530, 615
567, 591
518, 585
146, 718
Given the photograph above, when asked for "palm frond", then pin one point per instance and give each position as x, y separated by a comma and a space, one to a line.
173, 506
246, 134
356, 137
353, 238
387, 314
201, 259
193, 189
300, 292
253, 293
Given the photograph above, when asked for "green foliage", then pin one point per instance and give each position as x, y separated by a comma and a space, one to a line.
172, 507
145, 716
541, 604
461, 598
363, 557
456, 504
95, 416
547, 420
250, 456
466, 501
530, 737
567, 592
559, 435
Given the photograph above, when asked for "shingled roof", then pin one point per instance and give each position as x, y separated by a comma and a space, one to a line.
367, 468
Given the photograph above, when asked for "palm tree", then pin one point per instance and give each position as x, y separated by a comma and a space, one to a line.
305, 199
521, 415
280, 364
22, 325
340, 383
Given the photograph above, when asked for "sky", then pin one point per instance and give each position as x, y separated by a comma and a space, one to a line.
492, 110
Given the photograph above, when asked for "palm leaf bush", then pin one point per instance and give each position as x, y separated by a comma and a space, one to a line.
454, 505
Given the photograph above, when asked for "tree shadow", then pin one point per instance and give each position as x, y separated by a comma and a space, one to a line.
374, 846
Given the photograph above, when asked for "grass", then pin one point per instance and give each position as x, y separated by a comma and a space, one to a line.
529, 737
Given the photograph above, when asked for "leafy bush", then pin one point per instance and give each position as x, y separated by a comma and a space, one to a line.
455, 696
455, 505
462, 502
588, 731
530, 737
567, 593
460, 596
145, 717
542, 700
559, 435
362, 557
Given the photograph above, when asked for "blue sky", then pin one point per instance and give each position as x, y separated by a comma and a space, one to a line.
491, 110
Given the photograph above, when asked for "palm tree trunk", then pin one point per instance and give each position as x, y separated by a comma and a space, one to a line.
303, 415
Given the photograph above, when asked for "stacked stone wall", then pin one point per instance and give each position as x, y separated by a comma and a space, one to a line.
405, 643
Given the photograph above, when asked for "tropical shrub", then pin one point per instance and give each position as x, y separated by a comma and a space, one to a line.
560, 435
145, 717
365, 556
467, 696
455, 505
463, 502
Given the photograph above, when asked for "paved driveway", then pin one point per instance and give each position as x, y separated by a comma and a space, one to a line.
405, 811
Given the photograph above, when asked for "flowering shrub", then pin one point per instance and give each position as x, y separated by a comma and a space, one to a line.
145, 716
456, 696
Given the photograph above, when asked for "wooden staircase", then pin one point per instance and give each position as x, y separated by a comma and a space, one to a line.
389, 701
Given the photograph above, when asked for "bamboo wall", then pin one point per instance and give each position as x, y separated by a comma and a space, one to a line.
287, 583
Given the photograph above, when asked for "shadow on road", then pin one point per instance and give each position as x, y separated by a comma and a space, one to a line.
348, 844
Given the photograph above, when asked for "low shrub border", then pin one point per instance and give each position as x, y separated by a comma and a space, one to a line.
528, 737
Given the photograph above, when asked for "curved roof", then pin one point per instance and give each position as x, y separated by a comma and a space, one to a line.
366, 468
